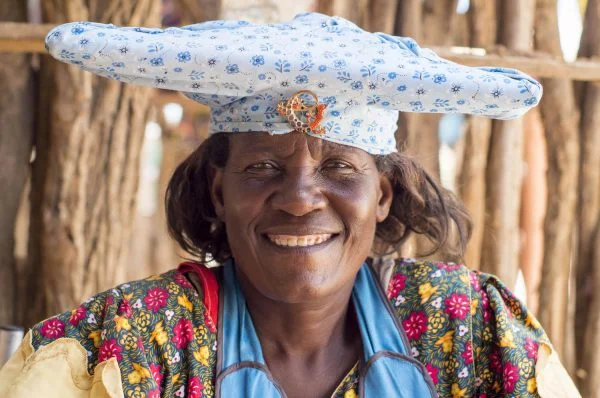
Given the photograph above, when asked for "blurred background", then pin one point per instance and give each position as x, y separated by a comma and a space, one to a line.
84, 161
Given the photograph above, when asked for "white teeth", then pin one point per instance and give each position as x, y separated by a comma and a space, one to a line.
299, 241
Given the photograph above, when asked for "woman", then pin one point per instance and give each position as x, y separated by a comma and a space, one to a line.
296, 187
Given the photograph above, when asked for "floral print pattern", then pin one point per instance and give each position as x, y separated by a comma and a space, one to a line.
154, 328
473, 336
242, 70
479, 340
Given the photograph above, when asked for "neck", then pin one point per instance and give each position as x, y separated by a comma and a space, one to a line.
302, 329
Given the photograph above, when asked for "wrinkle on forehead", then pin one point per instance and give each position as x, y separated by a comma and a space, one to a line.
286, 145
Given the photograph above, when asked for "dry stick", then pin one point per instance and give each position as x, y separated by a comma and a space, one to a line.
472, 176
560, 118
590, 385
588, 297
500, 251
408, 22
85, 177
380, 15
17, 99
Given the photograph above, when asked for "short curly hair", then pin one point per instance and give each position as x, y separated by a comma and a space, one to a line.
419, 206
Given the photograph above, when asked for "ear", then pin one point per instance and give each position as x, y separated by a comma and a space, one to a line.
386, 196
216, 191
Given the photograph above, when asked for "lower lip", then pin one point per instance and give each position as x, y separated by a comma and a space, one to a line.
301, 249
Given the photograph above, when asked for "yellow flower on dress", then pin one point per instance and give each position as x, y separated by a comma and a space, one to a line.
159, 334
121, 323
202, 355
474, 305
96, 336
136, 392
140, 373
183, 301
457, 392
507, 340
350, 394
531, 385
446, 341
425, 291
127, 296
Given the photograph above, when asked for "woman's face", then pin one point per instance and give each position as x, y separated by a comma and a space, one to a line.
300, 212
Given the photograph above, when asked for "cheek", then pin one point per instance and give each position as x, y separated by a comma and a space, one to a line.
243, 200
359, 211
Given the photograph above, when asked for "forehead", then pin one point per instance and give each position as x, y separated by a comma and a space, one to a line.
285, 145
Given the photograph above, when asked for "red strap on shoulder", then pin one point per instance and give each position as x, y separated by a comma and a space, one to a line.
210, 289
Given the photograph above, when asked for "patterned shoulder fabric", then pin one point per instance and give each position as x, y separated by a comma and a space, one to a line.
507, 337
157, 330
471, 333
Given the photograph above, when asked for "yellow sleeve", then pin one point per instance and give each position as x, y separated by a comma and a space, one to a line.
58, 369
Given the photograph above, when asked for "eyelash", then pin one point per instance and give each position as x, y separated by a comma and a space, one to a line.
260, 166
333, 164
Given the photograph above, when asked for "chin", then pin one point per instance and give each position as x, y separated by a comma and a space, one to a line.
299, 282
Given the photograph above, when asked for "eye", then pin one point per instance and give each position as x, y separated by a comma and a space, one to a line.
262, 166
337, 164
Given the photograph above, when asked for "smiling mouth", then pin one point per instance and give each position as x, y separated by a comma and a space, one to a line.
299, 240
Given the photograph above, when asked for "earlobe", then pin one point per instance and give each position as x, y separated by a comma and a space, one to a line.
386, 196
216, 192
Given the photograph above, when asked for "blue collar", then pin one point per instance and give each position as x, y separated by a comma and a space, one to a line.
387, 368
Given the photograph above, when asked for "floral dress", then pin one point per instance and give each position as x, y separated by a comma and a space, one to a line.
157, 338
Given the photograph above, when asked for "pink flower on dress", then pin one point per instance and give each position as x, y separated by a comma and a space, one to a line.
156, 298
184, 333
125, 308
195, 387
155, 370
457, 306
448, 266
154, 394
77, 315
53, 328
474, 281
495, 360
510, 377
485, 306
397, 283
415, 325
433, 372
182, 280
468, 353
109, 349
532, 348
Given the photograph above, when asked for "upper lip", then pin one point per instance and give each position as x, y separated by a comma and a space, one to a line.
299, 231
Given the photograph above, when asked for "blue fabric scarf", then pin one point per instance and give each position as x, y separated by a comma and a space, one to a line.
386, 369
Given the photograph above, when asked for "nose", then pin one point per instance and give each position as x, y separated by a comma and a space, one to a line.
300, 192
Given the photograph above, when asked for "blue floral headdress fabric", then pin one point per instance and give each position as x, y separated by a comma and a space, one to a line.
242, 71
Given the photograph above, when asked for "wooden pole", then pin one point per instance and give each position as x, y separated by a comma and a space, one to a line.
16, 104
471, 178
85, 177
500, 251
587, 324
533, 208
560, 117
